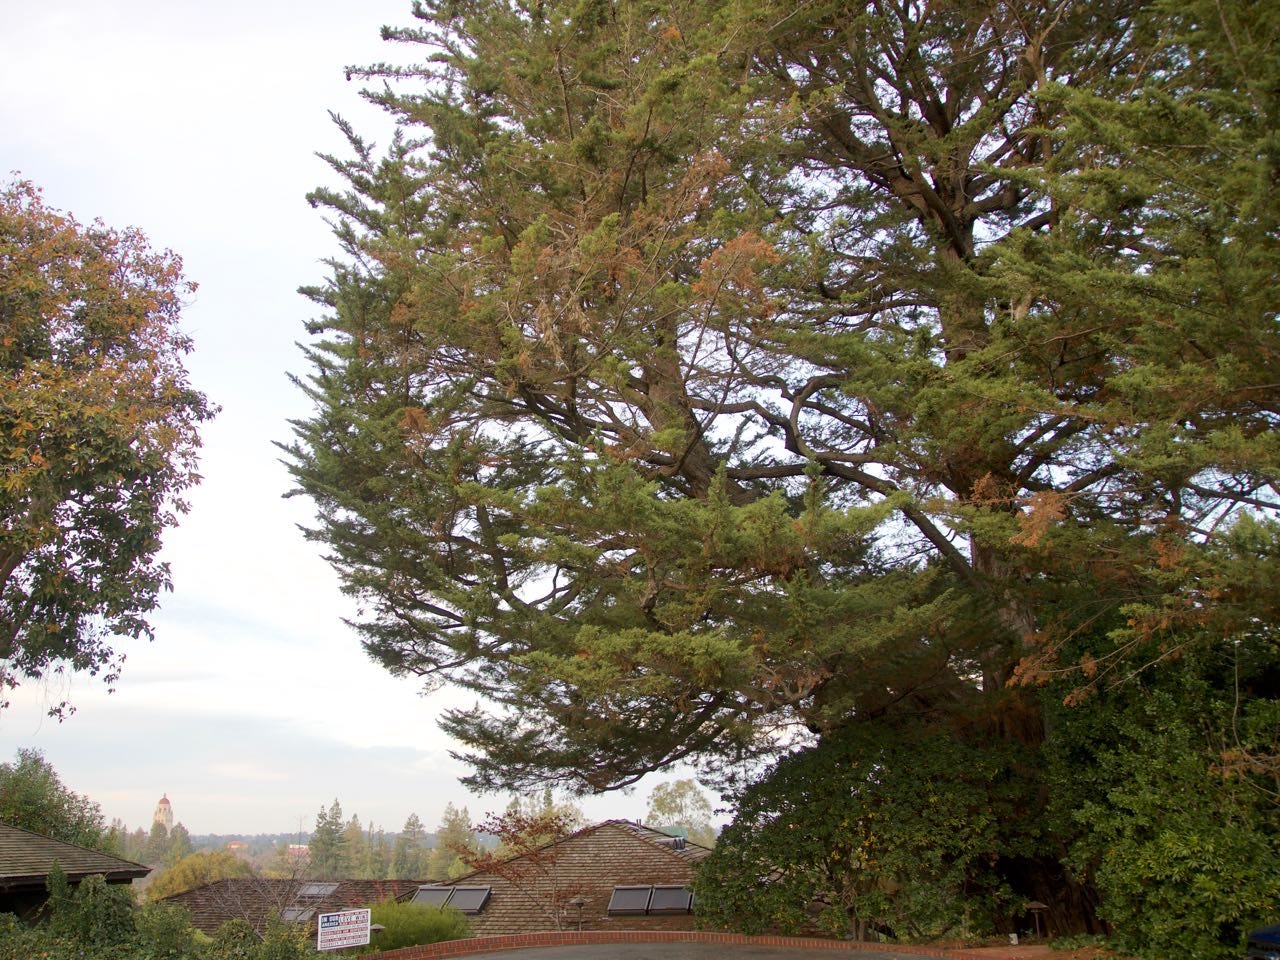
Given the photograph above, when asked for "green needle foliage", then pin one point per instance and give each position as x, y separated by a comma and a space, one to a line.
702, 380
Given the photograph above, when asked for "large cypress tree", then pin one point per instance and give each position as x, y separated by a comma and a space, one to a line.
702, 376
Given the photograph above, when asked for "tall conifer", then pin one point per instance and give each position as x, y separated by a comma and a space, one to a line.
705, 378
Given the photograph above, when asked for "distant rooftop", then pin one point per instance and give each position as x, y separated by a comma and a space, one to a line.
26, 859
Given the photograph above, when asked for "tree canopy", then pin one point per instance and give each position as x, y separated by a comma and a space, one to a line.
705, 379
33, 797
328, 852
454, 841
98, 424
682, 805
410, 854
195, 870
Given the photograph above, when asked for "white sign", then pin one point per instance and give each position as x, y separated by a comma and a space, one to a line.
348, 928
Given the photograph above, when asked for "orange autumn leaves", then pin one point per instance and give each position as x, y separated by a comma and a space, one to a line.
98, 432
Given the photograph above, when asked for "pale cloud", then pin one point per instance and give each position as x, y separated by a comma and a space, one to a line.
245, 773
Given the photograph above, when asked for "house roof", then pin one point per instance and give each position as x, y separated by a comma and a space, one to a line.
256, 899
26, 859
614, 838
533, 893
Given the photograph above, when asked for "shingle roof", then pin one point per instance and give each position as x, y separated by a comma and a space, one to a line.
255, 899
587, 865
26, 859
683, 848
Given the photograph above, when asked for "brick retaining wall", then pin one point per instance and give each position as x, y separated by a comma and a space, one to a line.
461, 948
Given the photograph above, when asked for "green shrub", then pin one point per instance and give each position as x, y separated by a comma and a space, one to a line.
97, 914
1187, 861
869, 834
94, 919
28, 942
1182, 848
165, 932
235, 940
410, 924
285, 941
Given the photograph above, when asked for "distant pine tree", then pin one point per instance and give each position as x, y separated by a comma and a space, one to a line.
328, 846
408, 860
454, 839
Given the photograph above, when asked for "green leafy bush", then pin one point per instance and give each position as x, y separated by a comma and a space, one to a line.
1164, 786
410, 924
235, 940
96, 913
868, 834
98, 921
1186, 859
285, 941
166, 932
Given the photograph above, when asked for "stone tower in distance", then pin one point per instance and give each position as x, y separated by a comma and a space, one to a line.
164, 813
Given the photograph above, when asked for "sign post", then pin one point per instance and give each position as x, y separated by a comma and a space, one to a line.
346, 928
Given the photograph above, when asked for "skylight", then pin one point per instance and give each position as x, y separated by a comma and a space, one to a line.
432, 896
659, 898
671, 899
469, 899
630, 900
463, 899
313, 891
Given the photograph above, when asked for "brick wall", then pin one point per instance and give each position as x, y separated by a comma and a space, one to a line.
461, 948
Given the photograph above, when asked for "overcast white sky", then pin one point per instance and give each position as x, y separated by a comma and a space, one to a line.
199, 122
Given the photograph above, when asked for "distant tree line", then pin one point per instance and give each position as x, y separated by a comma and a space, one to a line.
33, 796
338, 848
341, 848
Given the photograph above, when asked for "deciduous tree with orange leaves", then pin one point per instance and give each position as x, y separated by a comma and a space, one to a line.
98, 436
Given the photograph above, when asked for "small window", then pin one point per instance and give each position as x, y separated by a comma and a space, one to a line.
671, 899
297, 914
629, 900
314, 891
432, 896
469, 899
